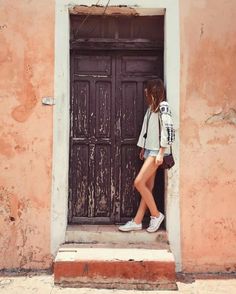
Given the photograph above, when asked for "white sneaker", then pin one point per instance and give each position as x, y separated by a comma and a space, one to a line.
155, 223
130, 226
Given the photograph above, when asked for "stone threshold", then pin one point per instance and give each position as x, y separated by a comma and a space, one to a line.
109, 234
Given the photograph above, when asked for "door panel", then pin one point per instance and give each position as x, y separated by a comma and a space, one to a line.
103, 109
80, 114
102, 189
107, 109
95, 65
129, 169
79, 179
139, 65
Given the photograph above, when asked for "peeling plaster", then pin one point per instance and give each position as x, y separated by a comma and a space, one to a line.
114, 10
227, 117
100, 10
18, 234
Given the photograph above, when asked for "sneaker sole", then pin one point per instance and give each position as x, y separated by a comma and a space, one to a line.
154, 230
129, 230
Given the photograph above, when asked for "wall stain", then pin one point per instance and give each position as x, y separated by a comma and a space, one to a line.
2, 27
211, 69
22, 112
17, 233
11, 143
85, 269
226, 140
6, 148
202, 30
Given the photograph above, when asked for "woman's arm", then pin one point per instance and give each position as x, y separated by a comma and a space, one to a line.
167, 131
167, 127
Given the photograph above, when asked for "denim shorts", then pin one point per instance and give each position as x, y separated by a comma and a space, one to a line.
148, 152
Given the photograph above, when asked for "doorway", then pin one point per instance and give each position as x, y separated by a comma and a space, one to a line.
61, 114
109, 69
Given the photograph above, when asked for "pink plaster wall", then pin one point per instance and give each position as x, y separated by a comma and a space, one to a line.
26, 75
208, 135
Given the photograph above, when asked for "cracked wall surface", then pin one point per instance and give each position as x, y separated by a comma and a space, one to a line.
208, 135
26, 75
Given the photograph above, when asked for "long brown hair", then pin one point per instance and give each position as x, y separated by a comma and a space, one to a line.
155, 93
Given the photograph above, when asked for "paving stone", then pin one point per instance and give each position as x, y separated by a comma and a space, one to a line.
43, 284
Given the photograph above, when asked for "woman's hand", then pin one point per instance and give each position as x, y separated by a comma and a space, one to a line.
159, 159
141, 154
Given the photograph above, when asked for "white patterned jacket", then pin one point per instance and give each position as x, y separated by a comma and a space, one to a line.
150, 127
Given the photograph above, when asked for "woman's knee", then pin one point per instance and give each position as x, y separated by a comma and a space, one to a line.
150, 183
138, 183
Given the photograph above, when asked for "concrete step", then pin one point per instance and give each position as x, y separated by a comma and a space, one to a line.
97, 234
115, 266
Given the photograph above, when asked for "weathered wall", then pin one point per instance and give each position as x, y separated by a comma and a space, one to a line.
208, 135
26, 75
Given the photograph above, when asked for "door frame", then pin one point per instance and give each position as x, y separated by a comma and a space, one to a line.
61, 114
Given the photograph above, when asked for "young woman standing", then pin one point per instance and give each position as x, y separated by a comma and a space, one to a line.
153, 149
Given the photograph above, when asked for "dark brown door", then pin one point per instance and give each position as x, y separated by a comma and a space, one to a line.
107, 109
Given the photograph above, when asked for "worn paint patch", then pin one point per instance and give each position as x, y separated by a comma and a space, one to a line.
17, 233
212, 58
100, 10
223, 140
224, 116
28, 96
6, 148
11, 143
191, 133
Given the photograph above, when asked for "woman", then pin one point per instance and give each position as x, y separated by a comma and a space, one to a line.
153, 149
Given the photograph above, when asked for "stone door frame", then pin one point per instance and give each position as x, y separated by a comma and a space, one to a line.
61, 117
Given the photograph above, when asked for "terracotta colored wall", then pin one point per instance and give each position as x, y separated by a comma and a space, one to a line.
208, 135
26, 75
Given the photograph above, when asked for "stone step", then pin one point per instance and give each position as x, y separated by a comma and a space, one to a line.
99, 266
110, 234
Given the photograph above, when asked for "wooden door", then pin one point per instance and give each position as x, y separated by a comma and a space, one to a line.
107, 109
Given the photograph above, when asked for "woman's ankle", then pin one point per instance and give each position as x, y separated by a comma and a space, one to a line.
137, 221
156, 214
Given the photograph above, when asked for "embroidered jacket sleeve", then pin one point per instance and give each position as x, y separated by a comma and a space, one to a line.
167, 128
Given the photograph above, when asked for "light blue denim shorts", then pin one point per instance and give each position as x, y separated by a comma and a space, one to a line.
148, 152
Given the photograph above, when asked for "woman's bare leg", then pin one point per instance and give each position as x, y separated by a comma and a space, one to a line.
143, 206
147, 171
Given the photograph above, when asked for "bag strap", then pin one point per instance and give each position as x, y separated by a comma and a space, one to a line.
147, 124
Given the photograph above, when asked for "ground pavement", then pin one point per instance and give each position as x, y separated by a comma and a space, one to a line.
43, 284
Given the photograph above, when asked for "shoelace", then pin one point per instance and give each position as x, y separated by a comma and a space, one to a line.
152, 222
130, 223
